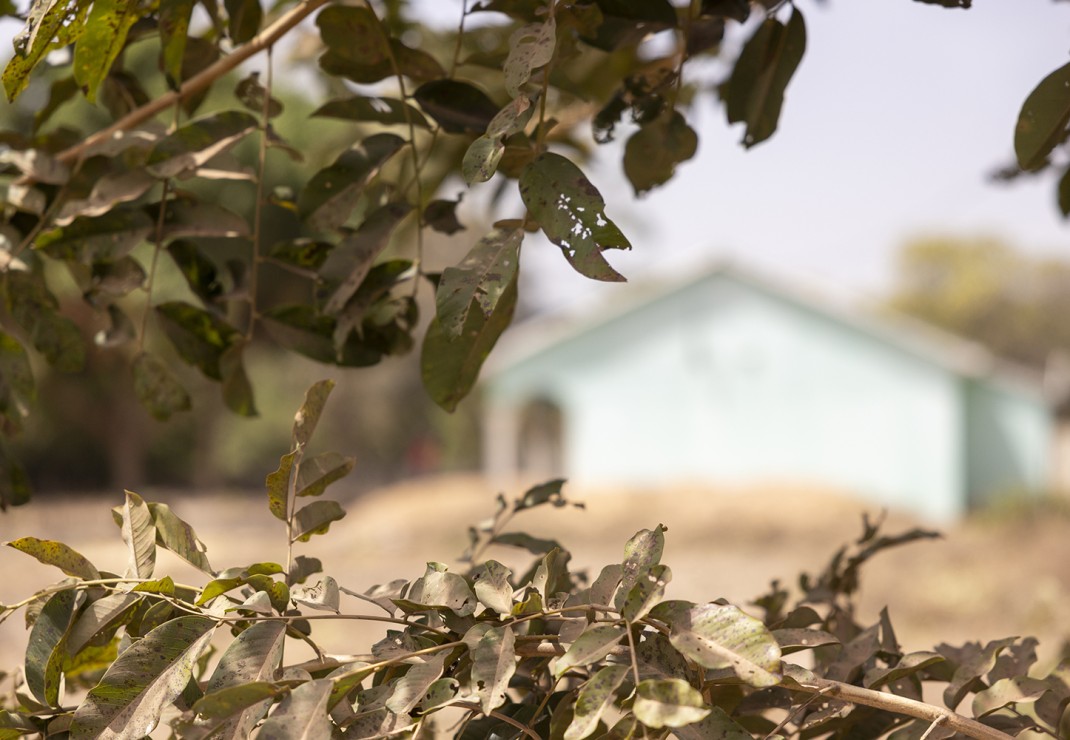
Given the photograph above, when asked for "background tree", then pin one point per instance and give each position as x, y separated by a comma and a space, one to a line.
985, 290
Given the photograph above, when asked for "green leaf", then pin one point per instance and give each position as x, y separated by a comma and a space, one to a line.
971, 668
50, 552
143, 681
237, 390
253, 95
718, 636
157, 389
50, 24
308, 416
646, 593
302, 714
60, 341
534, 545
1007, 691
104, 238
330, 196
305, 254
173, 20
481, 159
440, 589
323, 595
315, 518
303, 567
251, 660
243, 19
16, 383
479, 280
652, 152
450, 366
907, 666
641, 553
200, 337
114, 280
102, 616
303, 330
353, 34
492, 587
593, 699
192, 145
1043, 119
458, 107
189, 218
200, 272
411, 688
761, 75
493, 663
372, 109
278, 483
14, 483
218, 587
530, 47
670, 702
37, 165
46, 648
139, 535
351, 261
716, 726
174, 534
571, 213
795, 639
321, 471
595, 643
441, 215
105, 34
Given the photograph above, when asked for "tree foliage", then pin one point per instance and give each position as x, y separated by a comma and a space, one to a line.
133, 141
484, 650
984, 290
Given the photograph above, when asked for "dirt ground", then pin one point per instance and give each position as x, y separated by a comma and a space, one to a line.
985, 579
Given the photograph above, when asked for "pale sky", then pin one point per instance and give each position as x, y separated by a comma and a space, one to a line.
889, 129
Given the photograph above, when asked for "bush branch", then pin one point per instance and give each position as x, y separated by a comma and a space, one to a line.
902, 705
263, 40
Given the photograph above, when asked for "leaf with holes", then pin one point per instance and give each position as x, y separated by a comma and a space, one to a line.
440, 589
641, 553
492, 587
571, 213
530, 47
756, 88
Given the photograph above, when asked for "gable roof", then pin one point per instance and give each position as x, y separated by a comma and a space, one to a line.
956, 354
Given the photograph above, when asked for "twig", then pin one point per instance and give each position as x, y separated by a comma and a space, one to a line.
498, 715
902, 705
200, 81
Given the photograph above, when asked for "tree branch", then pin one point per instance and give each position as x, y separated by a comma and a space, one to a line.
902, 705
201, 80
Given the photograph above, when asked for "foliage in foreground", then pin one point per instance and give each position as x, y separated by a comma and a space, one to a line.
485, 651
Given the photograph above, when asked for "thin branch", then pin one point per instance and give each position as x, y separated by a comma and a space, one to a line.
266, 38
258, 208
499, 716
902, 705
151, 280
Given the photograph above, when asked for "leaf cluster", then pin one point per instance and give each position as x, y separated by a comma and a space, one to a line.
540, 652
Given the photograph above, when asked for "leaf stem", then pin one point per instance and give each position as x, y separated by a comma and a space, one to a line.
151, 280
258, 208
472, 706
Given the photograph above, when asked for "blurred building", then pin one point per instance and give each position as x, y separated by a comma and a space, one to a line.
733, 378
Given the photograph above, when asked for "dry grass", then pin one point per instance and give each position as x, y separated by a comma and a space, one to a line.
985, 579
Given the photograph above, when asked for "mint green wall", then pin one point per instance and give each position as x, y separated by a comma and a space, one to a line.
726, 382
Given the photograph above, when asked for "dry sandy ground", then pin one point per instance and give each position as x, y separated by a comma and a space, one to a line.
983, 580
